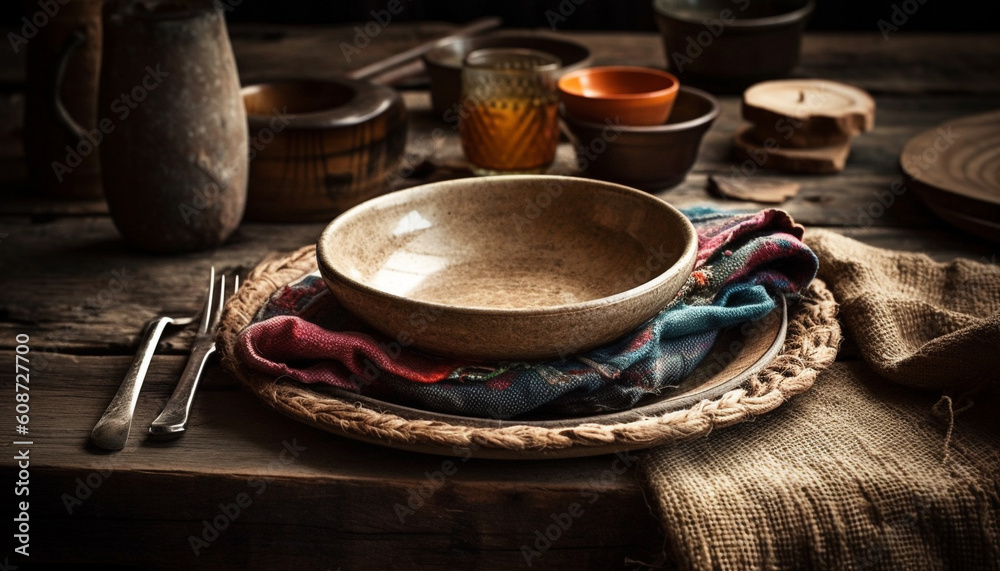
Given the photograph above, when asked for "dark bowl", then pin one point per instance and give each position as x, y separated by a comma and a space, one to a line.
727, 45
649, 158
444, 62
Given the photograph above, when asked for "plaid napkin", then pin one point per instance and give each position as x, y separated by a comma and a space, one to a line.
744, 261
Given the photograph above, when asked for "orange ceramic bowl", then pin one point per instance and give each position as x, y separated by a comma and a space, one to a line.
633, 95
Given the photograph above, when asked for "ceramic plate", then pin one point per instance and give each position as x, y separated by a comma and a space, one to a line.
955, 169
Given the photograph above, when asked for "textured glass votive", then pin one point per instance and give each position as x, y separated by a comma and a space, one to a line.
509, 120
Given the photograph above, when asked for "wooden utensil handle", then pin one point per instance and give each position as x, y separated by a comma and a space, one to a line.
398, 59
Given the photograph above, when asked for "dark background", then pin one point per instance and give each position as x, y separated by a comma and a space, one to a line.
855, 15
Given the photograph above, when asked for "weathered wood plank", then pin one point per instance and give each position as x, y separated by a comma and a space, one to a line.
906, 63
305, 486
74, 285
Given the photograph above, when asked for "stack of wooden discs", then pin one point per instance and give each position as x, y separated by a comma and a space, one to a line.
802, 125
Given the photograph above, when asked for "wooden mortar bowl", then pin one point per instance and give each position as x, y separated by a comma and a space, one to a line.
318, 148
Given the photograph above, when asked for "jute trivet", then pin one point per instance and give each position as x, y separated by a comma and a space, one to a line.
811, 345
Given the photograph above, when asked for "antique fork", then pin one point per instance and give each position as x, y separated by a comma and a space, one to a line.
112, 430
172, 422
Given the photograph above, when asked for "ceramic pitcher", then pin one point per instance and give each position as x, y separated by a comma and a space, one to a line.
174, 162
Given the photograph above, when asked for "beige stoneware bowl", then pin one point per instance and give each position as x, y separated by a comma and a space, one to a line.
512, 267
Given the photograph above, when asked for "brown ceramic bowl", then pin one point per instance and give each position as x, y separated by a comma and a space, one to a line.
632, 95
508, 267
650, 158
444, 62
318, 148
727, 45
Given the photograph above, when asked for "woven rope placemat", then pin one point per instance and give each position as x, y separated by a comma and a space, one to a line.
811, 345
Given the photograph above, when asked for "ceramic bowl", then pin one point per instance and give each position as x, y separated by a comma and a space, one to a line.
727, 45
318, 148
650, 158
444, 62
632, 95
511, 267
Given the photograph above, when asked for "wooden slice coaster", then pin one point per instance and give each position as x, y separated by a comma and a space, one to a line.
955, 169
808, 112
818, 160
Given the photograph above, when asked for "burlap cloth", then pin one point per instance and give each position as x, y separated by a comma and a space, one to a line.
869, 469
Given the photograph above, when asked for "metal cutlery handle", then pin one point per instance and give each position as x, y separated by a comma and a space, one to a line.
111, 431
174, 418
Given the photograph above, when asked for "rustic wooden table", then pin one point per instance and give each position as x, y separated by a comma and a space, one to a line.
247, 488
